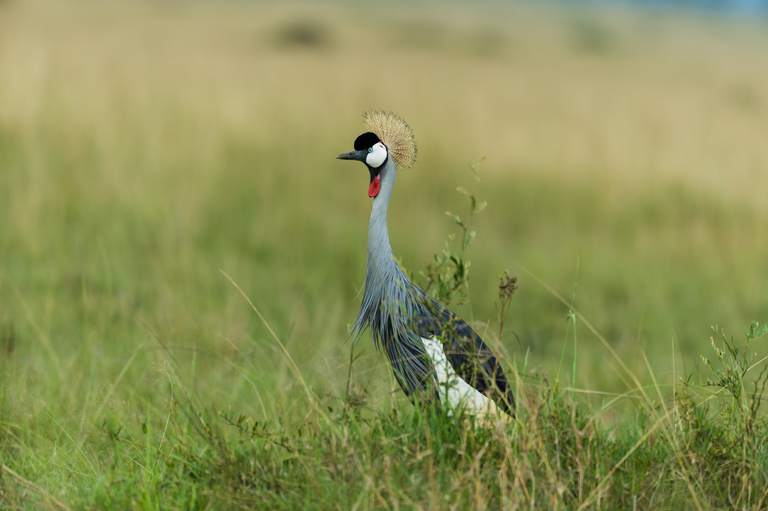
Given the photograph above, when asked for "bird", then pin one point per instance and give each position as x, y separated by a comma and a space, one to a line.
436, 357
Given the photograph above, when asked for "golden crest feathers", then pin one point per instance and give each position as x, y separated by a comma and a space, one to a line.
396, 135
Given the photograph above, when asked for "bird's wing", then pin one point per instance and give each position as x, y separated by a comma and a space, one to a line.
470, 357
412, 367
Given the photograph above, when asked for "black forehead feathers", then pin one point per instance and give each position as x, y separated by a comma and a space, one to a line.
365, 141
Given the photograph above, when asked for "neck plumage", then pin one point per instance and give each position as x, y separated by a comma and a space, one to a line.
379, 249
385, 283
391, 305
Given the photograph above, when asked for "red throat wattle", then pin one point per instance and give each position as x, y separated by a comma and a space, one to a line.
373, 188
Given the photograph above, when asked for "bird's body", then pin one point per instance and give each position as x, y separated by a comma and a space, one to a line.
435, 356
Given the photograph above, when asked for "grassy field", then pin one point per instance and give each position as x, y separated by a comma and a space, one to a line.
145, 148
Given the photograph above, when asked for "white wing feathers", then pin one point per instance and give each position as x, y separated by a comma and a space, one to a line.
454, 392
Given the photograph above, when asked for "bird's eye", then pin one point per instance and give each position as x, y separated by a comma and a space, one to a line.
370, 149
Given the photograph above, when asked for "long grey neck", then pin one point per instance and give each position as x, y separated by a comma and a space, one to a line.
386, 287
379, 249
391, 305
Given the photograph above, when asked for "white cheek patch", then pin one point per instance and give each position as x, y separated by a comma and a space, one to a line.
376, 157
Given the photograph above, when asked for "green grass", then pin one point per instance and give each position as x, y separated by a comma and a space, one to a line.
145, 148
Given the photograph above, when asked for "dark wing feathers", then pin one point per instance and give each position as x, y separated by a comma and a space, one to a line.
399, 336
410, 364
470, 357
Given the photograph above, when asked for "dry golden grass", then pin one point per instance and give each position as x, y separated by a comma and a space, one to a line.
610, 97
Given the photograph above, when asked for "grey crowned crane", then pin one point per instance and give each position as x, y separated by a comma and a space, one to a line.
436, 357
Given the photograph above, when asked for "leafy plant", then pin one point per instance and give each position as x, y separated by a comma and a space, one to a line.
448, 274
734, 361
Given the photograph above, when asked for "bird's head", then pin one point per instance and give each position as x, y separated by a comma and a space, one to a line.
387, 135
371, 151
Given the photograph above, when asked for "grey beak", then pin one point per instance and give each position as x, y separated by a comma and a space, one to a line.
353, 155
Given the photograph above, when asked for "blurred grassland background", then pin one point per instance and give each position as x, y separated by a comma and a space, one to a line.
145, 146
